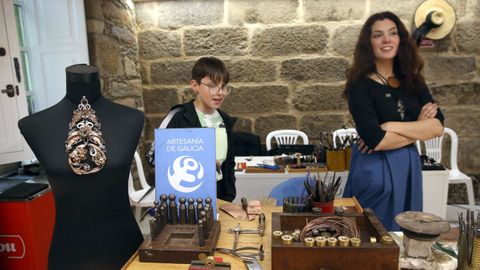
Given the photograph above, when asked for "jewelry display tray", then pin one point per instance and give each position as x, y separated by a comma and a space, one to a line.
298, 256
178, 244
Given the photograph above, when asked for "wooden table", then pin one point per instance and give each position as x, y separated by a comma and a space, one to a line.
258, 185
226, 240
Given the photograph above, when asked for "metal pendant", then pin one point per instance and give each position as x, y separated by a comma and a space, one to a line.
84, 144
401, 109
393, 82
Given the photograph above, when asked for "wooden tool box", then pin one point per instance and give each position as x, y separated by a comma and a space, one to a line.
298, 256
178, 244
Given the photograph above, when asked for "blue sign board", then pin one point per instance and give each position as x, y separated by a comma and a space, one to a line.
185, 163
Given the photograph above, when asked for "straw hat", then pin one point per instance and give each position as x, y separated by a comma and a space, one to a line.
440, 14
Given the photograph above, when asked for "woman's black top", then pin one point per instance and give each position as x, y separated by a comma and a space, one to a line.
372, 103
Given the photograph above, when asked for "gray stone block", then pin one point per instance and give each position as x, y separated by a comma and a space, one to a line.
333, 10
449, 68
144, 71
266, 11
443, 45
122, 34
252, 70
216, 41
319, 98
93, 9
465, 121
242, 125
118, 13
160, 100
266, 124
315, 123
257, 99
107, 53
176, 14
132, 102
476, 8
469, 157
467, 35
345, 38
417, 249
326, 69
124, 88
171, 72
157, 44
456, 94
130, 67
289, 40
95, 26
403, 9
151, 123
147, 14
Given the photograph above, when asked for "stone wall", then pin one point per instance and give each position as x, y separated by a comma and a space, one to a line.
287, 59
112, 43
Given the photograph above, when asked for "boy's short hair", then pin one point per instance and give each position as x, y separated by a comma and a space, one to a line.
212, 67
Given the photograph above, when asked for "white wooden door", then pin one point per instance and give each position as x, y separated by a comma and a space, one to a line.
13, 102
57, 38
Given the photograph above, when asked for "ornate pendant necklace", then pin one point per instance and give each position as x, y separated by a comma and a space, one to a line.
84, 144
391, 81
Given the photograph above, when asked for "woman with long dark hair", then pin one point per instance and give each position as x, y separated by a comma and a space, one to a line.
392, 108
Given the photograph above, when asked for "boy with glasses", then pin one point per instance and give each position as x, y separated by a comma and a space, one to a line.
209, 82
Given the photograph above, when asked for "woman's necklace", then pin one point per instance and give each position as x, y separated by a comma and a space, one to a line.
391, 81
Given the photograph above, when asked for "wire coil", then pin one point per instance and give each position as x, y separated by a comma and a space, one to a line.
335, 226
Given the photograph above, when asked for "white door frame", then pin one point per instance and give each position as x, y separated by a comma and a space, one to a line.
13, 147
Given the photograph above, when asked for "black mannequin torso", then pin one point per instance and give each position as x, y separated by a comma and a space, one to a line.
94, 226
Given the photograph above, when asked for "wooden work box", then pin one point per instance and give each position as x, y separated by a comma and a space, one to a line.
298, 256
178, 244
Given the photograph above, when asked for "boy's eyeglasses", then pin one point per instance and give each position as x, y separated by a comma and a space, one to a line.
216, 89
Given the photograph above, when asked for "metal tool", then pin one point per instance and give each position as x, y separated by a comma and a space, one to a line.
207, 217
245, 206
172, 211
153, 228
183, 211
201, 233
261, 224
249, 258
163, 201
203, 218
191, 211
211, 218
199, 205
259, 230
163, 216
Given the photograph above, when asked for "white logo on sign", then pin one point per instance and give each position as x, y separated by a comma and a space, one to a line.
186, 169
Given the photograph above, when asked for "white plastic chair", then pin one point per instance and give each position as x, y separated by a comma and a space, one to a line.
342, 134
136, 195
285, 137
433, 149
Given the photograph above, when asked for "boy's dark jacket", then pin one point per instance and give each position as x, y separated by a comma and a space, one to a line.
187, 118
